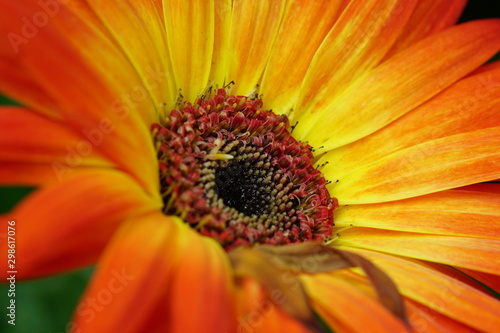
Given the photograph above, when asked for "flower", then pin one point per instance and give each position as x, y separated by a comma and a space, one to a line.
388, 95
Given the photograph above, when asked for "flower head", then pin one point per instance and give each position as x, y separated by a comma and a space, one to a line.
257, 165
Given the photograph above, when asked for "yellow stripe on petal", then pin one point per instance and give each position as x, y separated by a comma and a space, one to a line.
254, 27
439, 291
66, 226
452, 213
358, 41
433, 166
468, 105
220, 59
399, 85
478, 254
137, 28
190, 34
305, 25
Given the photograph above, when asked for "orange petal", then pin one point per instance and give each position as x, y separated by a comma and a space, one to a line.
190, 34
429, 17
254, 27
201, 257
421, 318
426, 320
138, 29
67, 226
490, 280
378, 98
452, 213
32, 138
259, 311
485, 187
359, 39
305, 25
39, 174
432, 166
338, 301
472, 253
169, 257
19, 86
439, 292
468, 105
103, 98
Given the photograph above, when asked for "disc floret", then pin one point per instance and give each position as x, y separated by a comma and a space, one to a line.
232, 171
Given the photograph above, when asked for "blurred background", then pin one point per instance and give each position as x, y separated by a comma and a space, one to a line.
46, 305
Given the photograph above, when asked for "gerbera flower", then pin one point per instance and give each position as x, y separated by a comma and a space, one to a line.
147, 128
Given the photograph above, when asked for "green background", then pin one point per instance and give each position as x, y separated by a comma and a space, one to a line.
46, 305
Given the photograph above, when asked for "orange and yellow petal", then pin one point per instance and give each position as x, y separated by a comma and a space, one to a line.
187, 277
261, 311
433, 166
36, 174
221, 53
490, 280
66, 226
32, 138
440, 292
451, 213
305, 25
483, 187
190, 34
376, 99
468, 105
254, 27
471, 253
429, 17
355, 45
347, 308
95, 89
426, 320
148, 54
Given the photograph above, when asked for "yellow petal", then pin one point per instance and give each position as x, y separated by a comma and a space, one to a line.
190, 34
254, 27
377, 99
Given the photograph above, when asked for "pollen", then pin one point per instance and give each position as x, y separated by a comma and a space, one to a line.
232, 171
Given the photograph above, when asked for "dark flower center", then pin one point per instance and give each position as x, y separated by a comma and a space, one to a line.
233, 172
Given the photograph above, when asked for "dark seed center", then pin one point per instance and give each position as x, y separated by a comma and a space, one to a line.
243, 187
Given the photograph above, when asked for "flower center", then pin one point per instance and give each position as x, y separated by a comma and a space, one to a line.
232, 171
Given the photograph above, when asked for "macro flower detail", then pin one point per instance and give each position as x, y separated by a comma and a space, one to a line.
233, 172
256, 166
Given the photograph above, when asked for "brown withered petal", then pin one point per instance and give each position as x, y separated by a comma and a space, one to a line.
261, 266
318, 258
